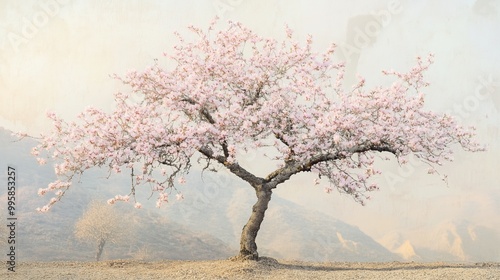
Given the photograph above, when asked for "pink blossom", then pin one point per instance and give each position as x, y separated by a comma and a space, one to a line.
42, 192
182, 180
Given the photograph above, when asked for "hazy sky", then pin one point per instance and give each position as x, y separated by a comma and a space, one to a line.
58, 55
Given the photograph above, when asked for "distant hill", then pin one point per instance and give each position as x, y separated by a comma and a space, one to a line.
461, 241
467, 241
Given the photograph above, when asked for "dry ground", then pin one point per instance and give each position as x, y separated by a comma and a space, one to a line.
267, 268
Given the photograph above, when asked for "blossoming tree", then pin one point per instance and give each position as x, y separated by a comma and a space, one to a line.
232, 91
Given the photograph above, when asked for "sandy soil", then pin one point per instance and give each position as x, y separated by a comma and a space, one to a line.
265, 269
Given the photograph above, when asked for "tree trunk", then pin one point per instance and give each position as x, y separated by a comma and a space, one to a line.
100, 247
248, 247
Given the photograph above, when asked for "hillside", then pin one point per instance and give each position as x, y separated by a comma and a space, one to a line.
458, 241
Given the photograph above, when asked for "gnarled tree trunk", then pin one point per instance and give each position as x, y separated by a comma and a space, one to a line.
248, 247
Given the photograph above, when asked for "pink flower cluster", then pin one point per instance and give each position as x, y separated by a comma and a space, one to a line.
113, 200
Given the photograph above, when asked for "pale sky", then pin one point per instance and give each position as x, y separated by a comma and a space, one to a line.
58, 55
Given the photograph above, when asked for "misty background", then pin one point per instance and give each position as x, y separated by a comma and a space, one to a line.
58, 55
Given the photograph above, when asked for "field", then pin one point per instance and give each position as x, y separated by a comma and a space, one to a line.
267, 268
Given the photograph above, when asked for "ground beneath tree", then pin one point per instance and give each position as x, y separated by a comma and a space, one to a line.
264, 269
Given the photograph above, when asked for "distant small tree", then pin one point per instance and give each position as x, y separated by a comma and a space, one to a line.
232, 91
101, 224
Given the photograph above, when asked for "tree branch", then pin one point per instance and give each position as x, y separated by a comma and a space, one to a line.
255, 96
234, 168
293, 167
203, 111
